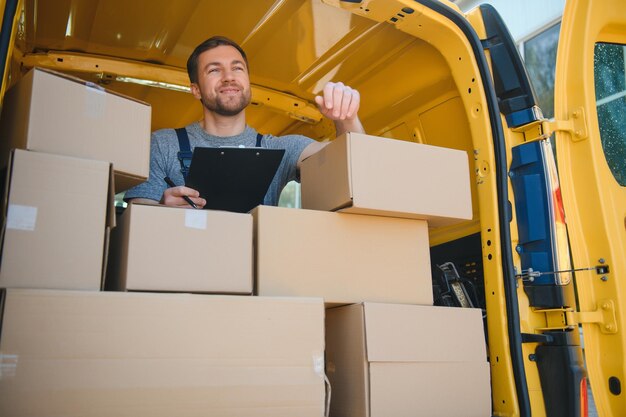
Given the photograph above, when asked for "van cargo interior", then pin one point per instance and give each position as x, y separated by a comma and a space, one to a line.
410, 90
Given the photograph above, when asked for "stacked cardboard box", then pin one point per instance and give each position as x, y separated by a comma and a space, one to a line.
399, 358
103, 354
57, 214
130, 353
51, 112
60, 137
157, 248
402, 360
72, 353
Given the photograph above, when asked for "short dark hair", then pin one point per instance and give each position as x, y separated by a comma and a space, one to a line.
212, 42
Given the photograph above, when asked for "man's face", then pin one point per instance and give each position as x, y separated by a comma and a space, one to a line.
223, 82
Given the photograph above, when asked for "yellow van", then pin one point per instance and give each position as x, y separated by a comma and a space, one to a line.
544, 254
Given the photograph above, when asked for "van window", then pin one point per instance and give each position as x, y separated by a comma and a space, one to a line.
540, 61
610, 83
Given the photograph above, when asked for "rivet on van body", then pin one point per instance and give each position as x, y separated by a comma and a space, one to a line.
601, 260
604, 278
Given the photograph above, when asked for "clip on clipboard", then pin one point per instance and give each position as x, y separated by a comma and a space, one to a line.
233, 179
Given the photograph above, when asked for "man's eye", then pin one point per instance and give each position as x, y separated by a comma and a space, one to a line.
238, 69
212, 70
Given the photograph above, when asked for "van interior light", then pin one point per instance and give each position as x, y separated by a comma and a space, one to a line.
151, 83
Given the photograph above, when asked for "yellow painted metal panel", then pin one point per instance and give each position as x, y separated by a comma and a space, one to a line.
8, 58
595, 204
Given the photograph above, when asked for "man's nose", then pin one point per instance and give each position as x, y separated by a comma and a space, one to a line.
228, 75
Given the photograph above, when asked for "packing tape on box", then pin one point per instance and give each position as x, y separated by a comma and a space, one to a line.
196, 219
318, 364
21, 217
318, 368
8, 366
95, 101
328, 394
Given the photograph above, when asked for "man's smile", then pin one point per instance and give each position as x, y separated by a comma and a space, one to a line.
229, 90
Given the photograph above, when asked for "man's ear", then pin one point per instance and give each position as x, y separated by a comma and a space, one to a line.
195, 90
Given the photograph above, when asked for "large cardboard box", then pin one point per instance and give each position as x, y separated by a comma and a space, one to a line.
76, 354
364, 174
159, 248
386, 360
57, 213
343, 258
51, 112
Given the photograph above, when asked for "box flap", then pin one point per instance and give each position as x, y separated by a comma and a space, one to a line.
87, 84
414, 333
110, 224
105, 256
117, 256
346, 365
110, 220
125, 181
326, 178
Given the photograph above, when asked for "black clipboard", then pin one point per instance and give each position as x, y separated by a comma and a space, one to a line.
233, 179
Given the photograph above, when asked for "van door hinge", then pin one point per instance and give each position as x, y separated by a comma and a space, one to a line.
533, 131
576, 125
568, 319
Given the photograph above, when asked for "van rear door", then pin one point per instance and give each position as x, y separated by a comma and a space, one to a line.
590, 128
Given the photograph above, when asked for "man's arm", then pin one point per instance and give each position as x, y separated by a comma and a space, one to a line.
340, 104
143, 201
174, 197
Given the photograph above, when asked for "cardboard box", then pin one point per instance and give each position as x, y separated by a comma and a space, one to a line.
57, 213
51, 112
108, 354
365, 174
343, 258
386, 360
159, 248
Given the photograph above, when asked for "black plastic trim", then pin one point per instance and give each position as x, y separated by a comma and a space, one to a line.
536, 338
545, 296
510, 288
513, 88
10, 9
558, 361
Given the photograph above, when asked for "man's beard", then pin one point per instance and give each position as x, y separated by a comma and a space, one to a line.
230, 107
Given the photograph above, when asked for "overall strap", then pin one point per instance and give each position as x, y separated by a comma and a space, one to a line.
259, 138
184, 155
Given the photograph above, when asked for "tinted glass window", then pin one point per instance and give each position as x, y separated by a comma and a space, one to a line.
540, 62
610, 83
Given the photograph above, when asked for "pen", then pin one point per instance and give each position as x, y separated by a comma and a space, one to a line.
186, 198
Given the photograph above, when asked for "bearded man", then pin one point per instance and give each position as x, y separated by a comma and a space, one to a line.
218, 71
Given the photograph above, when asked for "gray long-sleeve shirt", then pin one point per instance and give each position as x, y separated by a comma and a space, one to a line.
164, 160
